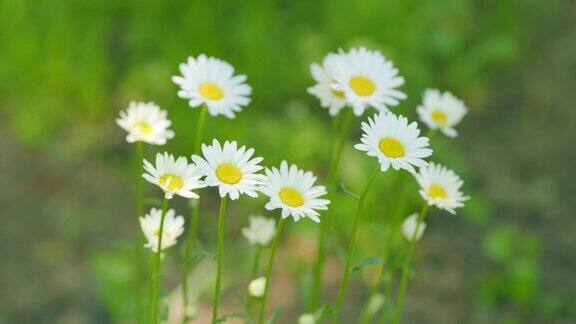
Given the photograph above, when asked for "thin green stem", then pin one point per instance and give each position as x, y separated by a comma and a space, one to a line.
352, 245
256, 263
405, 268
339, 129
279, 228
139, 241
155, 274
194, 216
219, 259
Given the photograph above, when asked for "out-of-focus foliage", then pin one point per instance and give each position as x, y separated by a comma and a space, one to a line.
67, 67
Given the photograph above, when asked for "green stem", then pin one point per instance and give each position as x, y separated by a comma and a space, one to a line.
352, 245
139, 241
155, 274
256, 263
219, 259
405, 268
277, 235
334, 161
194, 216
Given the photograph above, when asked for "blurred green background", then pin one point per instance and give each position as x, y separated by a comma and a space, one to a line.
66, 186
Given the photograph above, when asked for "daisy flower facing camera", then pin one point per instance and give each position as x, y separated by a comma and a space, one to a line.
175, 177
366, 78
394, 142
293, 191
145, 122
442, 111
260, 231
440, 187
173, 227
210, 81
329, 98
231, 169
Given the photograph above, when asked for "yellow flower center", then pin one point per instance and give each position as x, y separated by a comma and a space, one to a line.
172, 181
362, 85
436, 192
228, 173
439, 117
391, 147
211, 91
338, 93
144, 128
291, 197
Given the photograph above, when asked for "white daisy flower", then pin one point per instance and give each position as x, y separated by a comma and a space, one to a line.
440, 187
394, 142
173, 227
231, 169
442, 111
329, 98
293, 191
145, 122
260, 231
211, 81
367, 79
256, 287
307, 319
175, 177
409, 228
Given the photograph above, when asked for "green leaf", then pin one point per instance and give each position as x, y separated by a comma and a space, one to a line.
238, 315
274, 316
367, 262
348, 192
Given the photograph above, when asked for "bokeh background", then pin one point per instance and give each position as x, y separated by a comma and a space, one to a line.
66, 182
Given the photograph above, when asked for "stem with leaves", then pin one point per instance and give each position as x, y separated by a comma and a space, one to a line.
219, 259
274, 247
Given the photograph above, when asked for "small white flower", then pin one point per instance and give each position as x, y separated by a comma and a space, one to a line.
329, 98
307, 319
375, 304
173, 227
440, 187
409, 228
367, 79
211, 81
442, 111
394, 142
256, 287
175, 177
260, 231
293, 191
231, 169
145, 122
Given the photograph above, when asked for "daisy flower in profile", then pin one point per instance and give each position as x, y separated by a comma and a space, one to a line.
394, 142
231, 169
440, 187
409, 228
173, 227
145, 122
329, 98
174, 176
367, 79
210, 81
441, 111
293, 191
260, 231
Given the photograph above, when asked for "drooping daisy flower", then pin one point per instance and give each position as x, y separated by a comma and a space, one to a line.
440, 187
442, 111
367, 79
260, 231
409, 228
329, 98
175, 177
211, 81
173, 227
293, 191
231, 169
256, 287
394, 142
145, 122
